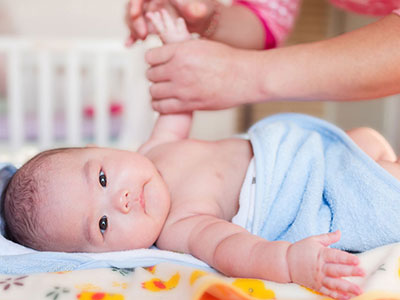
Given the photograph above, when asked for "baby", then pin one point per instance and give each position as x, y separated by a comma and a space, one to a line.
183, 195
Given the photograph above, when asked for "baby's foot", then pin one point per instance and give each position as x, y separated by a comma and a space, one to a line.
170, 30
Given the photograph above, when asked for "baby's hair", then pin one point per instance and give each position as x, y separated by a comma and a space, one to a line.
20, 201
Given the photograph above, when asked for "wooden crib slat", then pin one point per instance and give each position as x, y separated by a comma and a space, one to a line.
101, 95
45, 100
15, 107
73, 106
138, 115
74, 57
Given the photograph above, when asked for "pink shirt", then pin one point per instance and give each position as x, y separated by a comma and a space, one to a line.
278, 16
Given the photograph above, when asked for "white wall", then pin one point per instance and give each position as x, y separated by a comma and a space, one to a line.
68, 18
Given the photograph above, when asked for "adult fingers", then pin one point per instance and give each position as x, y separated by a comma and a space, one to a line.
192, 10
135, 8
158, 73
168, 106
160, 55
139, 27
135, 21
162, 90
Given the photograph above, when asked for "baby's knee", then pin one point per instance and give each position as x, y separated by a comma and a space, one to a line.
372, 143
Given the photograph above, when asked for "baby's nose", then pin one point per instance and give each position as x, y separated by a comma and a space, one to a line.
123, 201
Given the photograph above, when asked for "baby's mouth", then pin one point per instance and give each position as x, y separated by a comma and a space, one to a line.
141, 200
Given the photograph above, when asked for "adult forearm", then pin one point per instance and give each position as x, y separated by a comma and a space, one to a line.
239, 27
362, 64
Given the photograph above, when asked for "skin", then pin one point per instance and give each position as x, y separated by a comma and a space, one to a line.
135, 200
234, 22
204, 186
348, 67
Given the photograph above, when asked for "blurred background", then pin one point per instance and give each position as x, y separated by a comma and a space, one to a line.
66, 79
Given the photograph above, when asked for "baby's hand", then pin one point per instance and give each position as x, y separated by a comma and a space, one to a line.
315, 266
170, 30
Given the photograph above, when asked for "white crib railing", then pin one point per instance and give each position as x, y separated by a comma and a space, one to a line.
54, 81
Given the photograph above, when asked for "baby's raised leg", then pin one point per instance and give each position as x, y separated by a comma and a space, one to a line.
377, 147
372, 143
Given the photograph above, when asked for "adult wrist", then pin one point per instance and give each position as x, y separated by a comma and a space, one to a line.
213, 20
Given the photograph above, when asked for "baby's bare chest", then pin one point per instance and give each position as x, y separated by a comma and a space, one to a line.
204, 178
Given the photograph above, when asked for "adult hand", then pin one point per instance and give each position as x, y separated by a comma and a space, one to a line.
200, 75
196, 13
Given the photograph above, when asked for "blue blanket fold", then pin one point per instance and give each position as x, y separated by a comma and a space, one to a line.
38, 262
312, 178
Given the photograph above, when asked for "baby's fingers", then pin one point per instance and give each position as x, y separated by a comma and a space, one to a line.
168, 21
155, 18
335, 294
336, 256
338, 270
340, 286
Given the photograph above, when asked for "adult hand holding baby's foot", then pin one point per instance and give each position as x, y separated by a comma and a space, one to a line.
322, 269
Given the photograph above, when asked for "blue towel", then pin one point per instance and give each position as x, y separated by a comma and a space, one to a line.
311, 178
39, 262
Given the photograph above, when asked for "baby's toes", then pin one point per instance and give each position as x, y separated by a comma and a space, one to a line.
341, 286
338, 270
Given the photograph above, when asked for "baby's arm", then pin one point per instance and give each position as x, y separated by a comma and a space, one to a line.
235, 252
171, 127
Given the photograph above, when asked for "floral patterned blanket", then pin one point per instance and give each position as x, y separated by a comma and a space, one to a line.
173, 281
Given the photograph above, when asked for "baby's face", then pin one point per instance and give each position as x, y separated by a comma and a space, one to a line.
100, 200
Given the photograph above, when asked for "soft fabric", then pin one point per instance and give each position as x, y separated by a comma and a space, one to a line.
368, 7
6, 172
171, 281
247, 196
37, 262
311, 178
278, 16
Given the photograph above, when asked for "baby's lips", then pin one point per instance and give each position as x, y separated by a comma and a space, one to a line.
141, 200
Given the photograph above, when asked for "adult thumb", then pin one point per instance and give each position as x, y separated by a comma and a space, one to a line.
193, 10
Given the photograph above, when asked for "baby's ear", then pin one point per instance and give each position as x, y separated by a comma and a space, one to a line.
91, 146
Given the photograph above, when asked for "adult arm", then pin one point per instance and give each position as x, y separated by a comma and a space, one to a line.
362, 64
235, 252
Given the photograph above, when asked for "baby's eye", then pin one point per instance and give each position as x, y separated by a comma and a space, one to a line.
103, 223
102, 179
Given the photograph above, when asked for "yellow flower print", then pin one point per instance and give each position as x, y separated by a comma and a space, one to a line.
196, 275
99, 296
157, 285
254, 287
